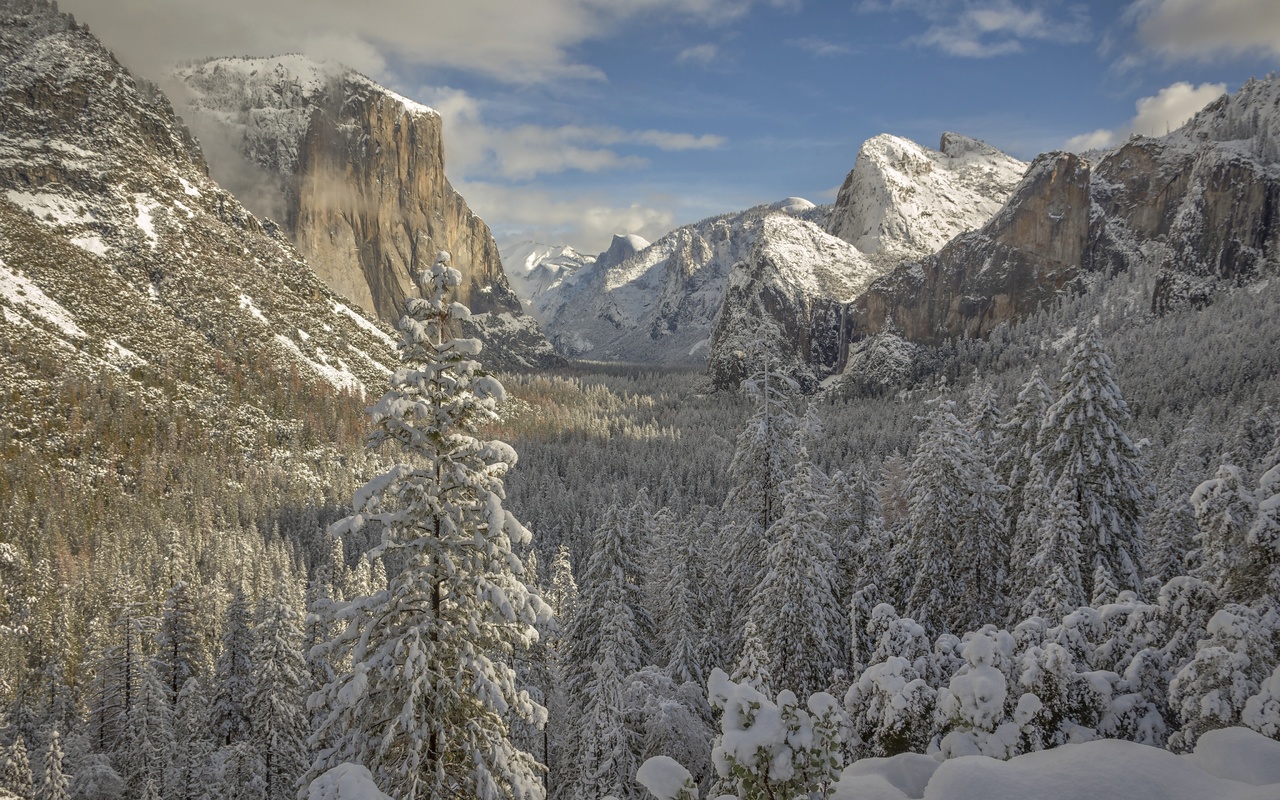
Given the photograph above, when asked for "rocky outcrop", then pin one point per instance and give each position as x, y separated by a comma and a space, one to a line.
1189, 212
902, 200
786, 304
358, 176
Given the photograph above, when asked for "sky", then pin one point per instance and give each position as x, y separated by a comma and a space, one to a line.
567, 121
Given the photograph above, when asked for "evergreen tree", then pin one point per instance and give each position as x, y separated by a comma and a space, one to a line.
1053, 572
952, 556
147, 747
1224, 510
426, 703
1083, 439
54, 785
15, 770
795, 609
275, 704
178, 649
1260, 582
193, 743
233, 675
1015, 470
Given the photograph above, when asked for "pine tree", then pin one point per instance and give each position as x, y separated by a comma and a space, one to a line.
147, 745
1015, 469
795, 609
193, 743
1053, 578
178, 648
15, 770
953, 555
1083, 438
426, 703
54, 785
233, 675
276, 703
761, 463
1224, 510
1260, 582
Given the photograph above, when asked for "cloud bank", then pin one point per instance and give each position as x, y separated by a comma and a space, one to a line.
1156, 115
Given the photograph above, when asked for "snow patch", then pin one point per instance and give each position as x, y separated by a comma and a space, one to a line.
26, 295
145, 219
339, 308
339, 376
188, 188
50, 209
345, 782
246, 302
90, 244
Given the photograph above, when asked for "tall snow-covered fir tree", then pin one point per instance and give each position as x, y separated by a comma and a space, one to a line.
276, 704
952, 555
1083, 438
794, 609
426, 703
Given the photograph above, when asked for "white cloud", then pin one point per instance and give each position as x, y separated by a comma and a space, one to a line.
698, 54
988, 28
820, 47
513, 41
1204, 29
587, 221
475, 148
1162, 112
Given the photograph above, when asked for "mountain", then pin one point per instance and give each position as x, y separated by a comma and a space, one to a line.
656, 306
354, 171
904, 201
1189, 213
147, 319
785, 300
536, 270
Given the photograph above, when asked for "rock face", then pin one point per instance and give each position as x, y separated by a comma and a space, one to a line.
1191, 212
785, 303
121, 259
657, 306
1032, 248
905, 201
355, 171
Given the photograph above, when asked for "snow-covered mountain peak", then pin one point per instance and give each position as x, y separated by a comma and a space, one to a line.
1251, 116
620, 249
812, 260
793, 205
903, 201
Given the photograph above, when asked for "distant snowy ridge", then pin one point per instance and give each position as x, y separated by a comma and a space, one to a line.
660, 304
535, 270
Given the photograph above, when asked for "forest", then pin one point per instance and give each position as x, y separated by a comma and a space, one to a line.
543, 585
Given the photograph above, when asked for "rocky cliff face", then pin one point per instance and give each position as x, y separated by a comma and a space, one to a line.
356, 173
123, 264
1191, 212
785, 303
904, 201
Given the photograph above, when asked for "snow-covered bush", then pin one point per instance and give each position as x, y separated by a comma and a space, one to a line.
770, 749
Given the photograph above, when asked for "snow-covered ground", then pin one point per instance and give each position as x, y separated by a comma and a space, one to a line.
1228, 764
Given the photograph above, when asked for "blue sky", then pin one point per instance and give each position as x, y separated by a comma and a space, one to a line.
570, 120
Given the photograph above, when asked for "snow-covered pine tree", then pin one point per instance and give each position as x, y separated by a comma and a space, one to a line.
761, 463
193, 743
233, 674
178, 648
1083, 438
1019, 435
1260, 582
794, 610
1224, 509
1052, 575
54, 785
753, 665
15, 770
984, 421
426, 703
679, 607
952, 555
276, 704
146, 750
1229, 667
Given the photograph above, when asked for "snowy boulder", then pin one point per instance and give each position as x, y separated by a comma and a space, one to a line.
666, 779
1240, 755
345, 782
